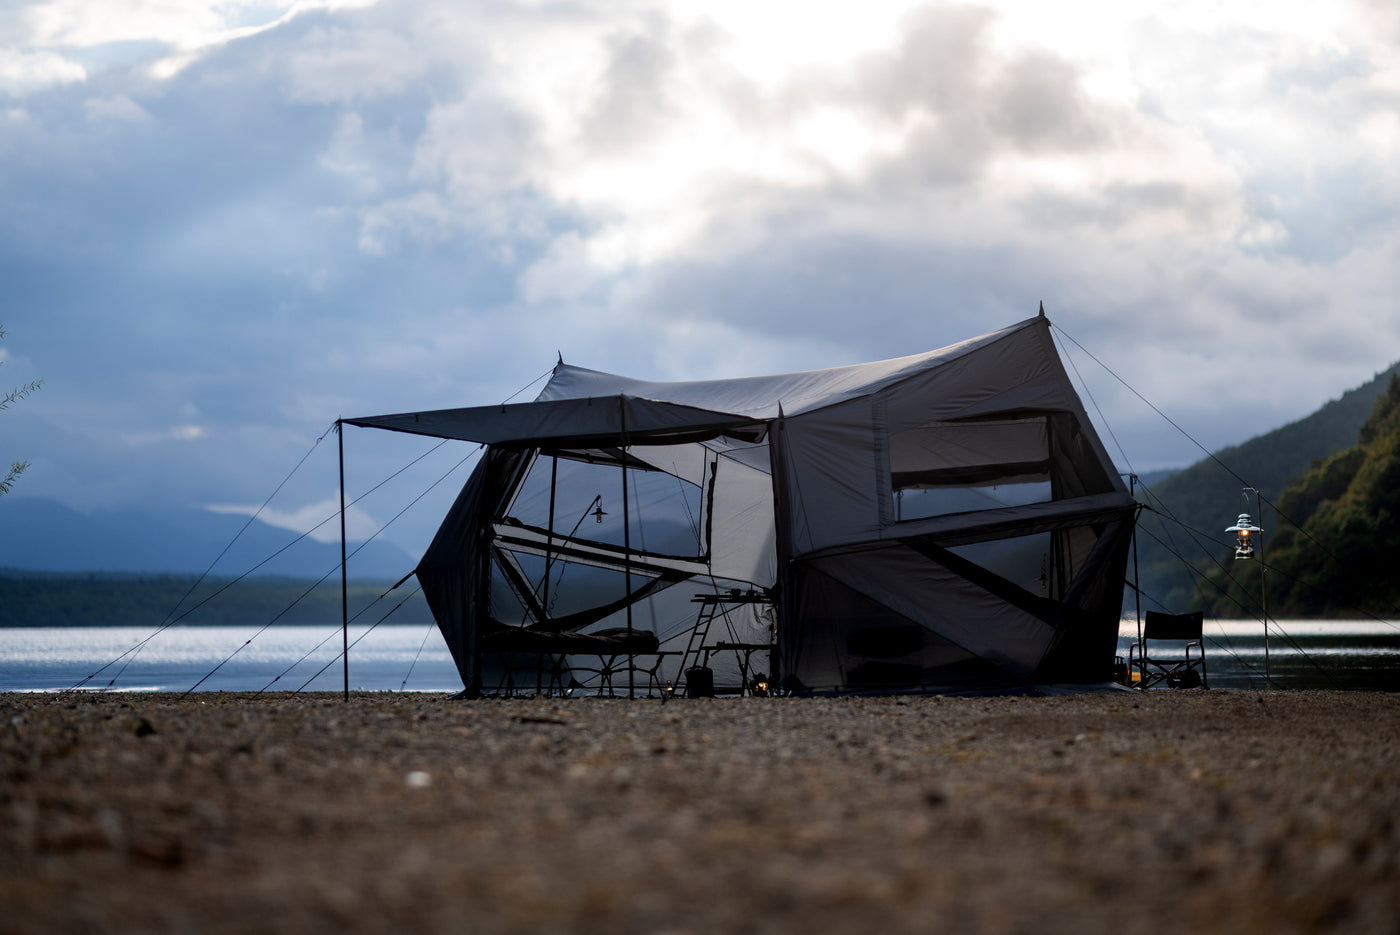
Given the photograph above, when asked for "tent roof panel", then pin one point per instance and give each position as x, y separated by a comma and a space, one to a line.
569, 422
579, 406
760, 397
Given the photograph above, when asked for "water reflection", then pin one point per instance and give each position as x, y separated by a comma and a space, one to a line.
1302, 654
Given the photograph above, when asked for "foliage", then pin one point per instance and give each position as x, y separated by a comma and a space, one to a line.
20, 392
1181, 540
1338, 533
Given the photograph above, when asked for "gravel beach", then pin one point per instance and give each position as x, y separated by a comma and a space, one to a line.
1191, 811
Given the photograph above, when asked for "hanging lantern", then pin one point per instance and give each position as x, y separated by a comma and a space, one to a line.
598, 514
1244, 531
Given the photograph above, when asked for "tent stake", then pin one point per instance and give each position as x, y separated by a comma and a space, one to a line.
344, 584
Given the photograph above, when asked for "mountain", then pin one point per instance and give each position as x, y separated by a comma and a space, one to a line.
44, 535
1181, 538
1339, 560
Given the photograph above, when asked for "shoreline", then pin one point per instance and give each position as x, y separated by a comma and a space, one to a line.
1209, 811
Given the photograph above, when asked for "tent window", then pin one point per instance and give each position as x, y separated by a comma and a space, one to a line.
574, 587
961, 467
1030, 562
505, 604
665, 514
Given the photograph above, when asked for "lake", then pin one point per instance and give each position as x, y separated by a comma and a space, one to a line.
281, 658
1339, 654
1302, 654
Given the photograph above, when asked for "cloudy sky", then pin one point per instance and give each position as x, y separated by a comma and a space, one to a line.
224, 224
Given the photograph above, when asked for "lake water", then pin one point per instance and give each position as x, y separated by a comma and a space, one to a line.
1302, 654
281, 658
1347, 654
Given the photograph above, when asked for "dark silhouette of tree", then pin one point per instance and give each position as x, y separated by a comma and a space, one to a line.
20, 392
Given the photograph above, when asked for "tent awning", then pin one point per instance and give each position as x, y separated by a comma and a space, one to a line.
547, 423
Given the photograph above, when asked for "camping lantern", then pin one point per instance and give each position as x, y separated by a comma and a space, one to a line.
1244, 531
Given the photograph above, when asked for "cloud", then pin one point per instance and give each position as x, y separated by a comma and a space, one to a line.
185, 25
25, 72
179, 433
633, 99
335, 64
255, 217
320, 521
118, 109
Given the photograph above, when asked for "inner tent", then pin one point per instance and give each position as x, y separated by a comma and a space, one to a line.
944, 522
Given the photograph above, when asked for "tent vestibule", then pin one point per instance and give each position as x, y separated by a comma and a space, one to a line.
948, 521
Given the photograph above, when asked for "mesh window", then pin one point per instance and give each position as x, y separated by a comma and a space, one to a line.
1029, 562
961, 467
665, 512
574, 587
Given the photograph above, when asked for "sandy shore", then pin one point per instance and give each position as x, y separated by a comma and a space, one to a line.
1178, 811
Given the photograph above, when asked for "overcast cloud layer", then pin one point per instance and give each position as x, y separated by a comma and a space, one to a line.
223, 225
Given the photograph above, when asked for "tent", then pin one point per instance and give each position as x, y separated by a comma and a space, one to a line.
944, 522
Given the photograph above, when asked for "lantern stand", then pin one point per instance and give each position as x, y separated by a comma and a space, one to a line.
1245, 532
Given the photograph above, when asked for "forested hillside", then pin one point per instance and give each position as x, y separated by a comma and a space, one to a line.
1340, 559
1181, 538
44, 535
34, 599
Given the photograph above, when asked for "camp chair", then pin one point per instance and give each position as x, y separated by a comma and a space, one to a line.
1180, 671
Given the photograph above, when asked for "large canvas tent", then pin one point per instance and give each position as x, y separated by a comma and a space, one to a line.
947, 521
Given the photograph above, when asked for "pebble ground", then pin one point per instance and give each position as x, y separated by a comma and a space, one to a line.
1187, 811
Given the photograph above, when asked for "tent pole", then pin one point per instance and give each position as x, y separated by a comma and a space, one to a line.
782, 535
627, 556
549, 541
1263, 585
344, 583
1137, 580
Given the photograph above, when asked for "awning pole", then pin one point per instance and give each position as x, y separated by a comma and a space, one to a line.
344, 583
782, 543
627, 556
